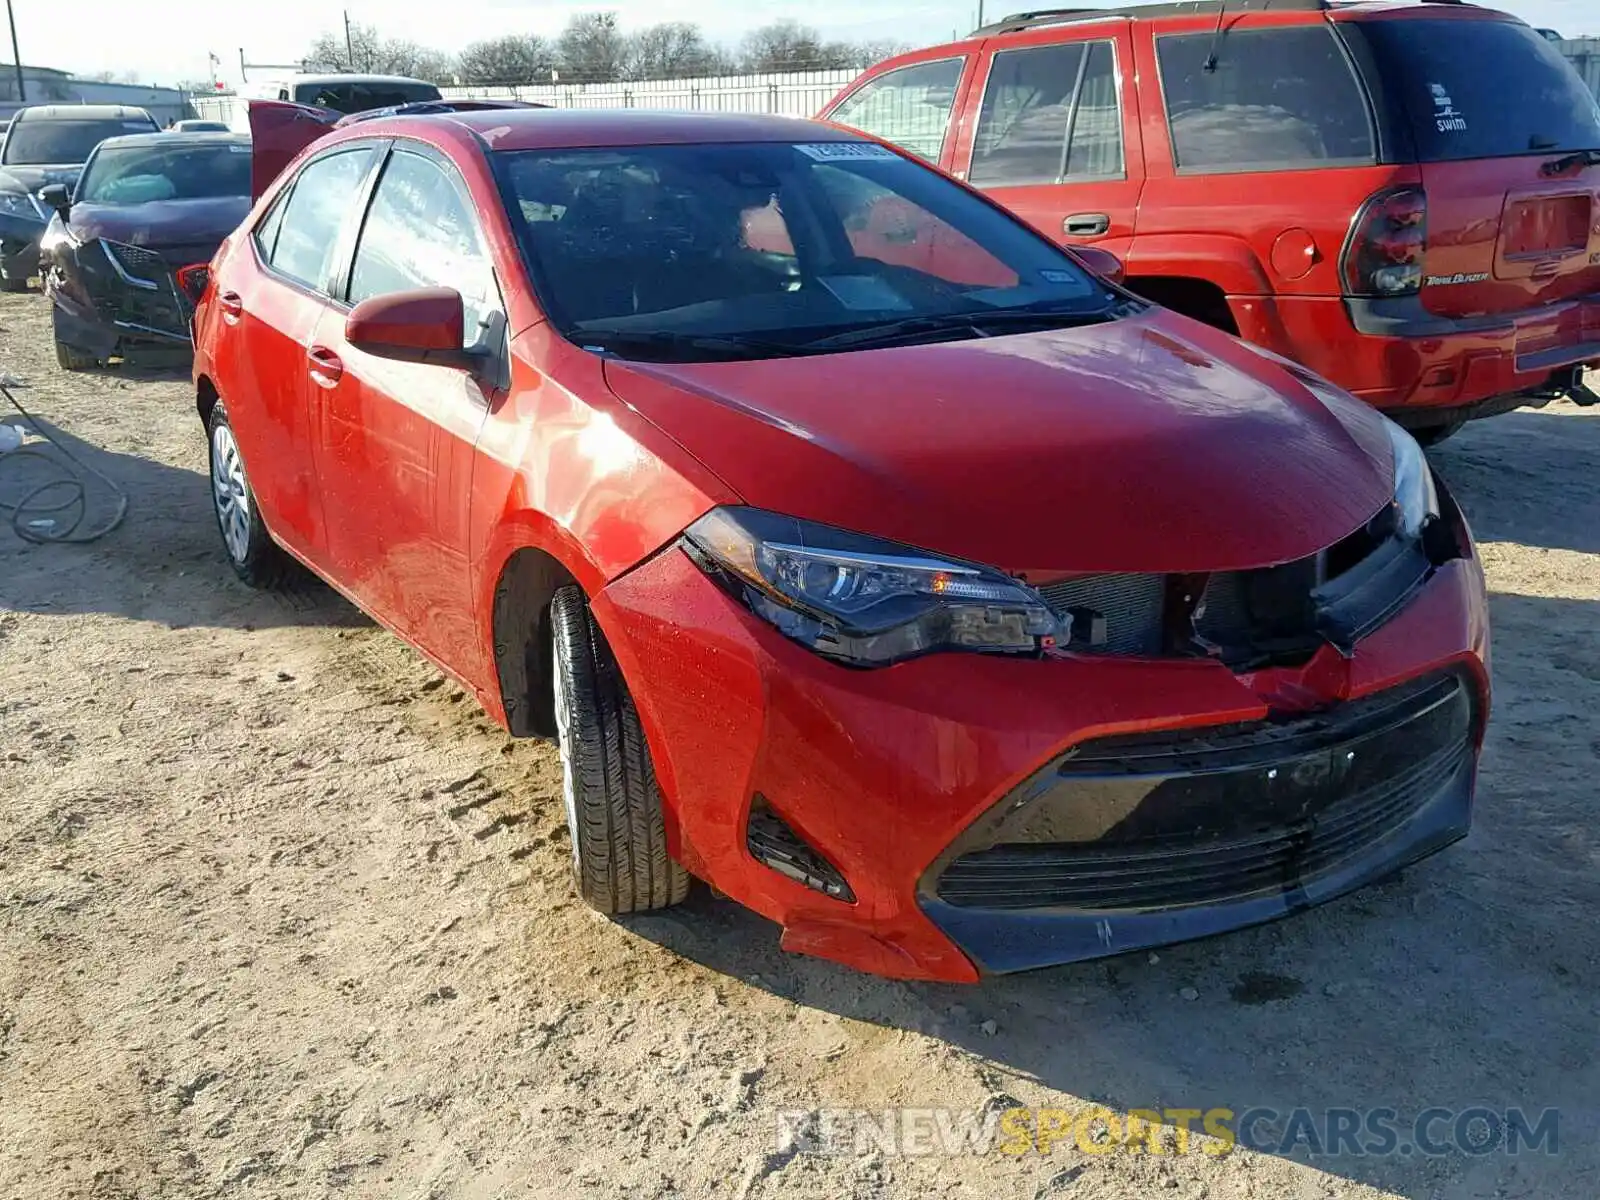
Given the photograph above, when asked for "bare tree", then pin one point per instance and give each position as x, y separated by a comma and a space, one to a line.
515, 58
369, 53
674, 50
592, 49
791, 46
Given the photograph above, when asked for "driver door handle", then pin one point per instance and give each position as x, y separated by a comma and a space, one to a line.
326, 366
1086, 225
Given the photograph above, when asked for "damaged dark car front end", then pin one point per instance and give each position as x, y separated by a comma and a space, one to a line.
125, 258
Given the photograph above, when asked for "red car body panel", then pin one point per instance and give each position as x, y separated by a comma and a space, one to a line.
412, 487
882, 769
1271, 241
1038, 451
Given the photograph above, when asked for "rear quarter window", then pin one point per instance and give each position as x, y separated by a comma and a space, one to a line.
1482, 89
1274, 99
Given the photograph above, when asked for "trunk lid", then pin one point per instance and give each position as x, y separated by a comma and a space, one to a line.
1493, 112
278, 132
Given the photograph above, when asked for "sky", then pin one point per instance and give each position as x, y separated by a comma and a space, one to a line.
164, 41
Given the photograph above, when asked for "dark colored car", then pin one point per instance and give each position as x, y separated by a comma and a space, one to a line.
1403, 197
48, 144
943, 602
125, 257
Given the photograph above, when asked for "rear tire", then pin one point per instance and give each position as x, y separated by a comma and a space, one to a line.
1432, 435
619, 844
254, 556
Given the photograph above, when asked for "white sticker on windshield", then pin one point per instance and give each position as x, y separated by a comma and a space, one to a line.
865, 293
1445, 117
1053, 276
837, 151
238, 149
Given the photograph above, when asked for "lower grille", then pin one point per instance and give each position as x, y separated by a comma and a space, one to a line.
773, 843
1220, 815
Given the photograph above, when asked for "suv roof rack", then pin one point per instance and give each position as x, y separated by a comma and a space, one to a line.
1176, 8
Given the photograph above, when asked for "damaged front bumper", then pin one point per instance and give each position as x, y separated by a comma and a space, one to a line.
107, 293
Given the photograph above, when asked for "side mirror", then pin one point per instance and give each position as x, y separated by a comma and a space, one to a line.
1102, 262
421, 326
56, 196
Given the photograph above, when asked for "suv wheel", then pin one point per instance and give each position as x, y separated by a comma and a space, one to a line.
252, 553
619, 844
1432, 435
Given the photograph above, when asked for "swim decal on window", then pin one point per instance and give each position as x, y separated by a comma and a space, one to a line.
1445, 117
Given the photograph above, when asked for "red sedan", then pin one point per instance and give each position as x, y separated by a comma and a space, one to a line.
867, 555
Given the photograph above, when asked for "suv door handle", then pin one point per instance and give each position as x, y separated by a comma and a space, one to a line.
232, 307
326, 366
1086, 225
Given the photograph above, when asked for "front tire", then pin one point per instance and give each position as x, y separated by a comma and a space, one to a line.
252, 553
619, 844
70, 358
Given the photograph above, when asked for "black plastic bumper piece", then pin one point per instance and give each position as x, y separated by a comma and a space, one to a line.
1127, 843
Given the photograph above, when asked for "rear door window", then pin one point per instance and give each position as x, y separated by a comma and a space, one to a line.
1483, 89
910, 106
1050, 113
315, 213
1272, 99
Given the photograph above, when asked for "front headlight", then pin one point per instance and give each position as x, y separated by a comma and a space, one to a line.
20, 204
862, 600
56, 236
1414, 493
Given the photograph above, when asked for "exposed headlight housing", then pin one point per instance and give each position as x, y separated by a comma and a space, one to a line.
862, 600
1414, 492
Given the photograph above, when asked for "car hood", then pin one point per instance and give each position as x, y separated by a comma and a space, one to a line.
160, 222
32, 178
1149, 443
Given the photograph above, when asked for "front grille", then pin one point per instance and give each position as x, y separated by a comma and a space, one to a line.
1160, 821
1248, 618
139, 262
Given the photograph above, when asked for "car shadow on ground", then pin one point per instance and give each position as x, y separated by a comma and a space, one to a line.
1527, 477
165, 563
1467, 980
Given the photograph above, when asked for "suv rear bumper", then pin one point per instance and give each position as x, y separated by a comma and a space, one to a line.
1399, 357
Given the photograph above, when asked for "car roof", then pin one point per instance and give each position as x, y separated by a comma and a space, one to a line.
179, 137
1159, 10
80, 112
555, 128
344, 78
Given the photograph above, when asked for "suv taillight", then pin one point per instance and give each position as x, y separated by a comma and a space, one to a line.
1384, 254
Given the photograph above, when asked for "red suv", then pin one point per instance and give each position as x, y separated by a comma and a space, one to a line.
1403, 197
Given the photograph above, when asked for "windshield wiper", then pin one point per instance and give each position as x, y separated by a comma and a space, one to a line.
1578, 158
979, 323
604, 341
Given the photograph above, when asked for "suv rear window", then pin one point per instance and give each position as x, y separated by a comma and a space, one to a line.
1274, 99
1483, 89
362, 97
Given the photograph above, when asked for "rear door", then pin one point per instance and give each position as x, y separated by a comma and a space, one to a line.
1494, 108
273, 303
394, 440
1055, 133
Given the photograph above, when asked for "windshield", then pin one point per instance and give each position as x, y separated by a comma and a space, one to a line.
140, 174
36, 142
750, 250
362, 97
1483, 89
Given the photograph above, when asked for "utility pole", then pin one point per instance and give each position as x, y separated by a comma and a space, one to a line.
349, 45
16, 56
980, 14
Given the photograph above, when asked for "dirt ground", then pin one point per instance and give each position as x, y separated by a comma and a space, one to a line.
282, 915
